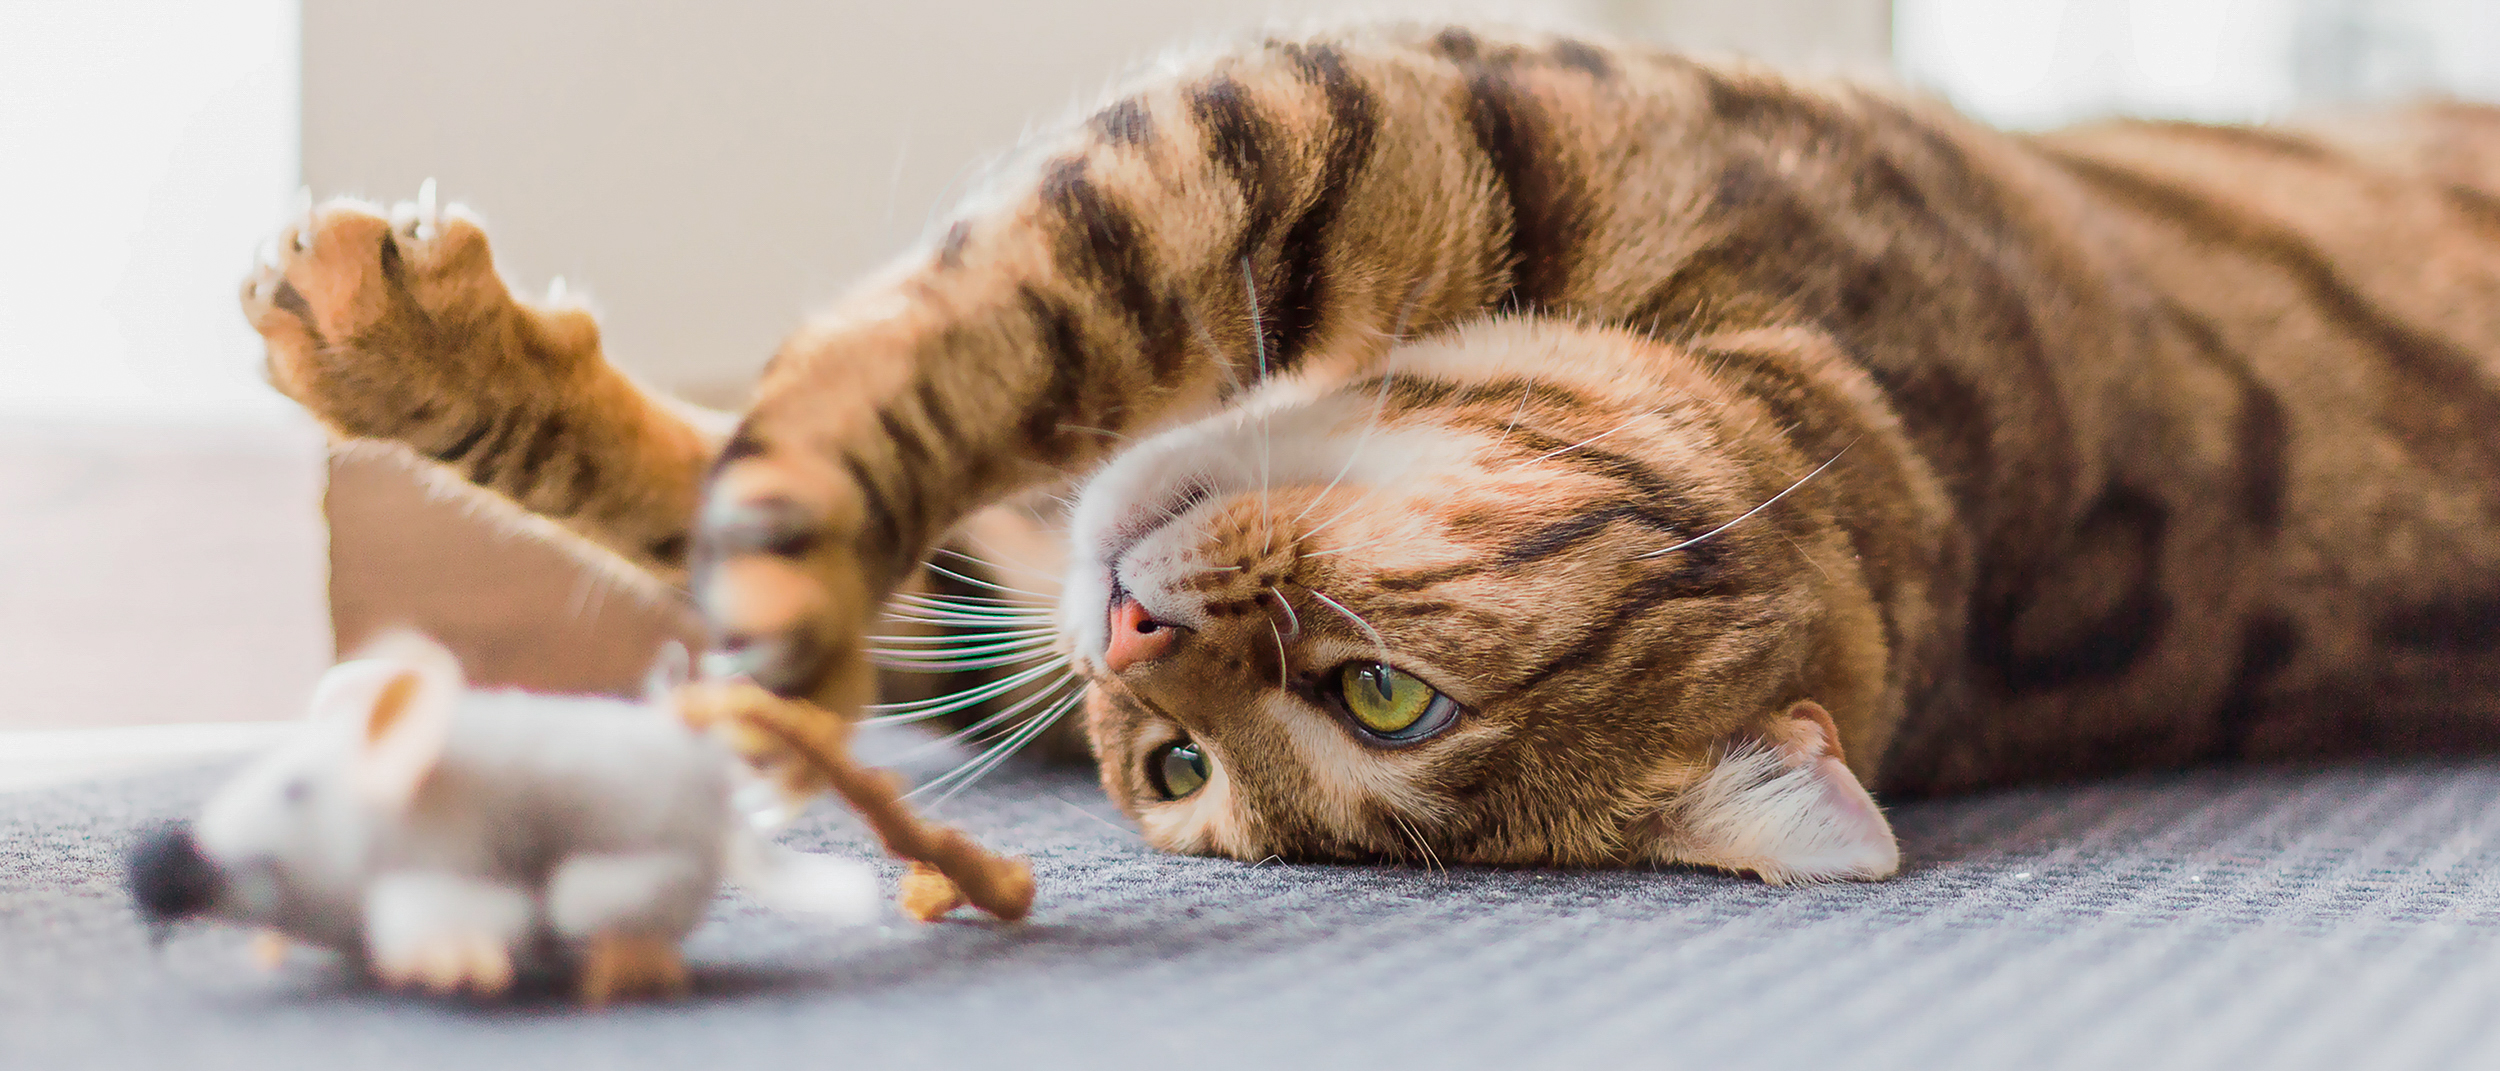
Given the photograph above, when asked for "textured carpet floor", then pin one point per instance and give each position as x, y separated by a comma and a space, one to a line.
2338, 918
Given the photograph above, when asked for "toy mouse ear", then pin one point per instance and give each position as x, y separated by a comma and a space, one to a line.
1781, 803
399, 695
670, 670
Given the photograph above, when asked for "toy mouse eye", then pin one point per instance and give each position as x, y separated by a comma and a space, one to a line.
1391, 705
1176, 769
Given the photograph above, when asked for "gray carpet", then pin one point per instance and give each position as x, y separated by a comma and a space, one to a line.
2336, 918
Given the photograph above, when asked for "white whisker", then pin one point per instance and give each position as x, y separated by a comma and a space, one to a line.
924, 709
1290, 614
996, 559
1002, 717
963, 776
1766, 504
968, 639
1283, 663
1380, 644
979, 583
1627, 422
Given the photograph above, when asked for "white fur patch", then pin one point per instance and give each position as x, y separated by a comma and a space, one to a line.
1789, 822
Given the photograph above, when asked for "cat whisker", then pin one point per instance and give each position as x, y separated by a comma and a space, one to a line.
1291, 616
1432, 859
997, 560
1627, 422
924, 709
1002, 717
1380, 644
1284, 663
968, 640
978, 622
1766, 504
1258, 335
979, 583
963, 776
1380, 404
951, 664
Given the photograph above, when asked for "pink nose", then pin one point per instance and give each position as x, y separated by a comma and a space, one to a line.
1136, 637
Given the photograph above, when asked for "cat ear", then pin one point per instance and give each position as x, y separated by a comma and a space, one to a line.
1782, 804
398, 697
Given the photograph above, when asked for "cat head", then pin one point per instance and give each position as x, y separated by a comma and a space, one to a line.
1493, 605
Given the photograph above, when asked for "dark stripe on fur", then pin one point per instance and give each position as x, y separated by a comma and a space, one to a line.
2467, 623
491, 455
2457, 405
1240, 140
885, 519
1102, 243
2098, 650
2262, 430
468, 440
1549, 205
542, 448
1302, 287
1582, 57
1057, 403
1126, 122
2268, 643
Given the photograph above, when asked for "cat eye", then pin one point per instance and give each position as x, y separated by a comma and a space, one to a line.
1390, 704
1176, 769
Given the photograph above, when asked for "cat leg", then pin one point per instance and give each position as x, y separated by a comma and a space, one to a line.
398, 328
445, 933
1171, 252
627, 912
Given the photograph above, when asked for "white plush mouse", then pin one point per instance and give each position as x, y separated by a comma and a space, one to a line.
446, 837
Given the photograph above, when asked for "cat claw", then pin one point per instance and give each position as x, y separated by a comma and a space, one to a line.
429, 211
301, 211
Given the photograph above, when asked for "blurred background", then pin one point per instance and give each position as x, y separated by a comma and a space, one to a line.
705, 172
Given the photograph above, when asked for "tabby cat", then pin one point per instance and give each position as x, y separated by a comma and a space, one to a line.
1507, 449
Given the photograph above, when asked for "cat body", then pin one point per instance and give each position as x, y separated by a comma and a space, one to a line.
1508, 449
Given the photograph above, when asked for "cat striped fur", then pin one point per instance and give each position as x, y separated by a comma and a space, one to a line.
1661, 415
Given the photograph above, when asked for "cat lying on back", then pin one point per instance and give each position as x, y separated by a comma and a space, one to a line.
1504, 448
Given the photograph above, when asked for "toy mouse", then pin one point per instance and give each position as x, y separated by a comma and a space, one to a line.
446, 837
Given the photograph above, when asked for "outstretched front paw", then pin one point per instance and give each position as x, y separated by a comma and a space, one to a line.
379, 323
781, 580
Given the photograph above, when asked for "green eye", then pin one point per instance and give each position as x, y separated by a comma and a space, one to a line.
1391, 703
1176, 769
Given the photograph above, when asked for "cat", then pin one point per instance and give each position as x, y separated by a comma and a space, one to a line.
1498, 447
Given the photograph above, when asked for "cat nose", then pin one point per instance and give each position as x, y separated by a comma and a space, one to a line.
1136, 636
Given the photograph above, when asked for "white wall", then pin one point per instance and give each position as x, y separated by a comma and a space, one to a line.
145, 146
2034, 63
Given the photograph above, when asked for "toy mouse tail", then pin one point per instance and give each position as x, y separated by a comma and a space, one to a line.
841, 891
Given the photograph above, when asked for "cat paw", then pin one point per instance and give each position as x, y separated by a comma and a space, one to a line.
619, 967
780, 579
477, 964
372, 317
